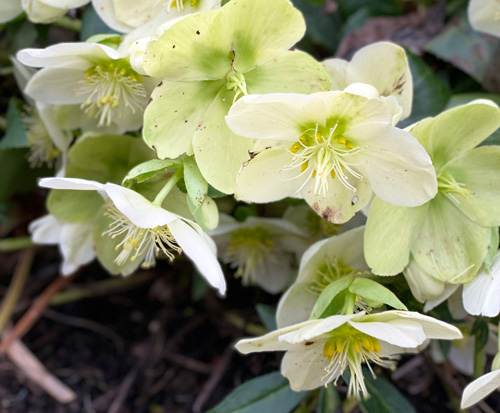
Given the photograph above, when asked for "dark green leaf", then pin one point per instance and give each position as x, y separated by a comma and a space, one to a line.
430, 94
200, 288
214, 193
242, 212
15, 135
147, 170
481, 331
268, 316
329, 399
328, 295
270, 393
92, 24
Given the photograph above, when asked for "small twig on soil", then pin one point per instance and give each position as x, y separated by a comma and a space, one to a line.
19, 354
35, 311
15, 244
189, 363
89, 325
16, 286
100, 288
214, 379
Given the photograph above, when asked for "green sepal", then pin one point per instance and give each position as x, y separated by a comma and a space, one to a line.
373, 291
328, 295
206, 215
196, 185
148, 170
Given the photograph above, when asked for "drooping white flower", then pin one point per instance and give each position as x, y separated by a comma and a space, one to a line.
93, 75
484, 16
392, 80
127, 15
324, 262
319, 351
74, 240
148, 229
264, 251
481, 295
330, 148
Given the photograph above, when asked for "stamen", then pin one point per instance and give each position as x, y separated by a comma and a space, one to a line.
448, 186
237, 83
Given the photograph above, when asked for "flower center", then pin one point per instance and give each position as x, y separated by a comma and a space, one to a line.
110, 87
237, 83
348, 347
248, 252
41, 147
138, 242
179, 4
329, 272
448, 186
325, 156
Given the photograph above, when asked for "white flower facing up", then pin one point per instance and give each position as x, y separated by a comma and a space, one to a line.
95, 76
74, 240
264, 251
319, 351
148, 229
392, 80
330, 148
481, 294
484, 16
324, 262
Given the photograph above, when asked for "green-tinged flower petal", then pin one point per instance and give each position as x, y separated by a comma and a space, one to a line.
337, 72
386, 253
189, 51
423, 286
340, 203
173, 115
218, 151
480, 388
403, 333
392, 78
396, 165
77, 246
479, 172
449, 246
457, 131
295, 305
258, 30
291, 71
484, 16
10, 9
265, 177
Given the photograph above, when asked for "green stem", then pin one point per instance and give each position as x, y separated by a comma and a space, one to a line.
16, 287
478, 360
168, 186
349, 303
65, 22
15, 244
3, 123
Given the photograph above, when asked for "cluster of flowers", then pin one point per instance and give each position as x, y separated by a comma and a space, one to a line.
233, 111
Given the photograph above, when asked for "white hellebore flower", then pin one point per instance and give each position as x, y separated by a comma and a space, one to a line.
74, 240
484, 16
93, 75
264, 251
38, 11
480, 388
319, 351
332, 149
324, 262
481, 295
148, 229
127, 15
392, 80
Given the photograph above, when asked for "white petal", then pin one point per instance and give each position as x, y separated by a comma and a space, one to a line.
423, 286
312, 330
482, 16
449, 289
397, 166
480, 296
10, 9
71, 183
280, 116
138, 209
305, 366
45, 230
277, 274
200, 252
401, 333
266, 178
337, 72
65, 4
295, 305
480, 388
77, 246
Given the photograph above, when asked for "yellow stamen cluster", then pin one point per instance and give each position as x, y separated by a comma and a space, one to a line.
347, 347
448, 186
330, 271
248, 251
328, 151
110, 86
139, 242
179, 4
